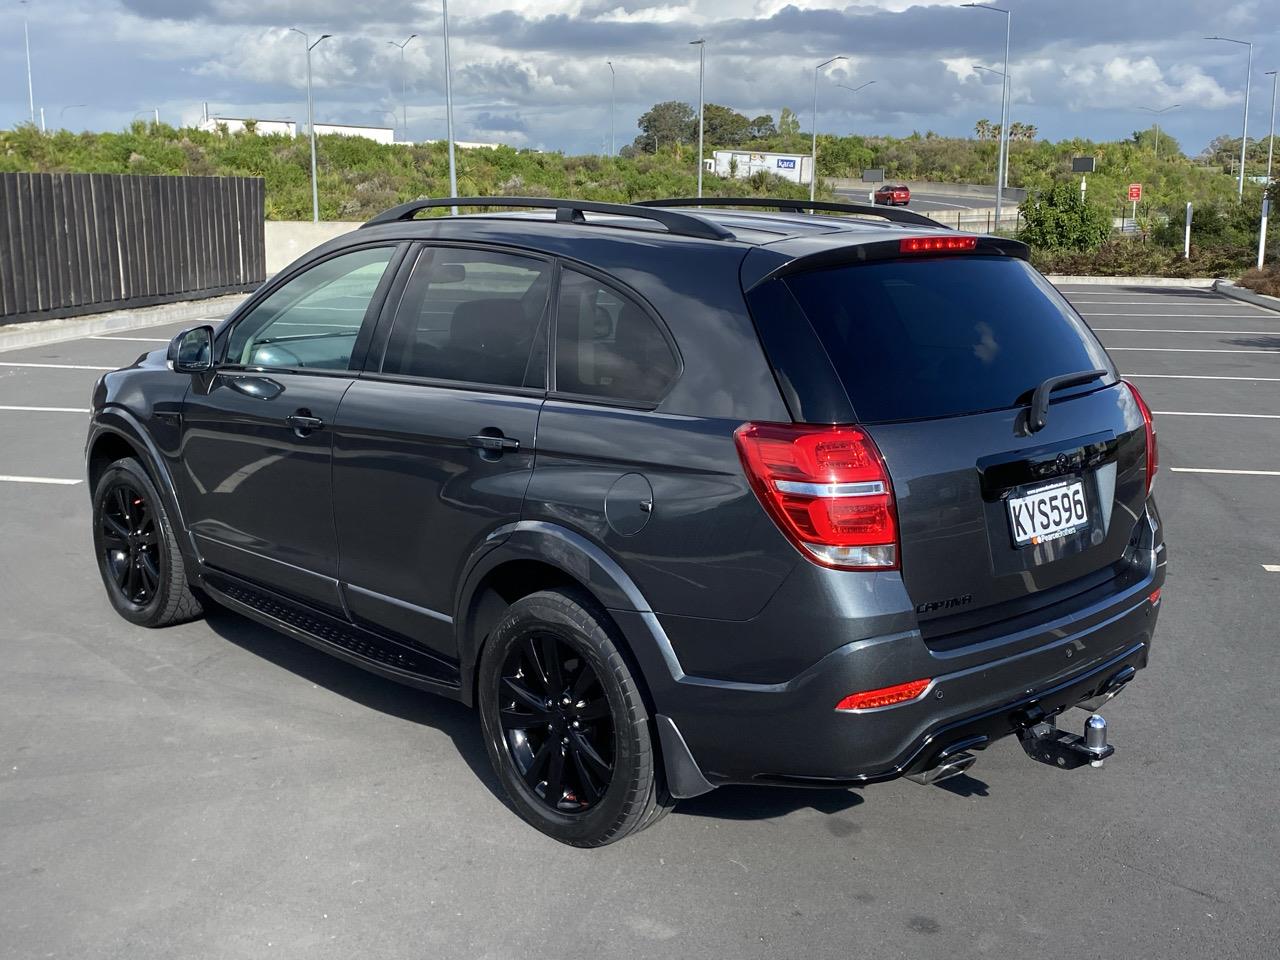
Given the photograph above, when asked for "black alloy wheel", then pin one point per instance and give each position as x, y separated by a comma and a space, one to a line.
566, 725
138, 555
556, 723
129, 541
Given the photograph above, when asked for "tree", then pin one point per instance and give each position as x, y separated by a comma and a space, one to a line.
788, 123
762, 127
723, 126
672, 121
984, 130
1061, 220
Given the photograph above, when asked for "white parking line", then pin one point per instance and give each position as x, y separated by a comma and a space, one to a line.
1176, 316
1239, 473
1246, 416
1159, 303
1198, 376
1274, 351
55, 480
1242, 333
131, 339
54, 366
47, 409
1271, 567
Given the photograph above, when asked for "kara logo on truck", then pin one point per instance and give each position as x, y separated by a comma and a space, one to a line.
786, 164
946, 604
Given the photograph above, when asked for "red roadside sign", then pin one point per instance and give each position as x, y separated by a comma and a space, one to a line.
1135, 193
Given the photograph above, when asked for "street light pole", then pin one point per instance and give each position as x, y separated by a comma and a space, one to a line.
813, 147
1271, 137
26, 39
1244, 134
1003, 172
62, 112
702, 64
1157, 114
1003, 159
613, 86
404, 97
448, 104
311, 121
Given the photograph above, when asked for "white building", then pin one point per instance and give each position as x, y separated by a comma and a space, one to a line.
743, 163
378, 134
238, 124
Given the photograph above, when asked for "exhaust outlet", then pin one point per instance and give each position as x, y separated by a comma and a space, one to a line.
952, 766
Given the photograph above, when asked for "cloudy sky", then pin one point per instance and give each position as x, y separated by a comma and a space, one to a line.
533, 72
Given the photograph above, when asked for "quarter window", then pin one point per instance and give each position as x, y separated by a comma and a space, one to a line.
313, 320
476, 316
609, 346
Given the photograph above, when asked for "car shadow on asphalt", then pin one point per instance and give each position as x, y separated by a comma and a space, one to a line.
347, 680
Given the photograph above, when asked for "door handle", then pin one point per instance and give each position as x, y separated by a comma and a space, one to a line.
498, 444
303, 423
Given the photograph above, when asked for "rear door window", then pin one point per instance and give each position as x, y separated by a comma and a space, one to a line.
474, 316
921, 339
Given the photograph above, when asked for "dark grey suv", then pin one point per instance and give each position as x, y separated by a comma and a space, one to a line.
676, 498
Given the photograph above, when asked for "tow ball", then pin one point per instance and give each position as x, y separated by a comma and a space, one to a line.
1043, 741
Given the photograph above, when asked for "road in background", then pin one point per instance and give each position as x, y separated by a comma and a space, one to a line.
217, 789
924, 202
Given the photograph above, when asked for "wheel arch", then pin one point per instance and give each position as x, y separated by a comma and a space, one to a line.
115, 433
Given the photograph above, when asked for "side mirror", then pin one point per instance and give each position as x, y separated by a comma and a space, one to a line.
191, 351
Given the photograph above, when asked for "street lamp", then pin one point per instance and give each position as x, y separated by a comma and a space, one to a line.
1244, 134
1004, 105
69, 106
813, 149
311, 120
1271, 137
404, 102
702, 64
613, 85
448, 104
26, 39
1003, 174
1158, 113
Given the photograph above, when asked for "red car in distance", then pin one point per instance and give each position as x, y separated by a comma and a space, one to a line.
893, 195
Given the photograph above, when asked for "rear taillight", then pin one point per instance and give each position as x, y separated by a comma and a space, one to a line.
1153, 449
827, 489
942, 244
884, 696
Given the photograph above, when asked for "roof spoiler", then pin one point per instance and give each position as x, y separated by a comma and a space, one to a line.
786, 203
567, 211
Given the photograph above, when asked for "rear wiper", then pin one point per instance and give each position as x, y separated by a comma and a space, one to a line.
1039, 413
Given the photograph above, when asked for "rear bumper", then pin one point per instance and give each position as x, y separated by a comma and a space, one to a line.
790, 733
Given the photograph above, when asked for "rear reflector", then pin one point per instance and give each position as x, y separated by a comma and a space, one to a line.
943, 244
827, 489
1153, 448
1154, 598
885, 696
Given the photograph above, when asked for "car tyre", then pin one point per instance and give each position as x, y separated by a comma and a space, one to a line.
559, 703
137, 551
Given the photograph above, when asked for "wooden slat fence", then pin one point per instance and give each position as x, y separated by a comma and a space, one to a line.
74, 243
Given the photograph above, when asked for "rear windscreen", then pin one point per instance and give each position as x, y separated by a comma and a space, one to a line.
919, 339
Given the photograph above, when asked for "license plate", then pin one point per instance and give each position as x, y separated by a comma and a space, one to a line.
1048, 513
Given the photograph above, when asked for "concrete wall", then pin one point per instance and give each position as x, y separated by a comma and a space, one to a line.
287, 240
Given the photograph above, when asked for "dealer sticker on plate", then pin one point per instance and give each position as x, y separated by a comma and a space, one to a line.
1048, 513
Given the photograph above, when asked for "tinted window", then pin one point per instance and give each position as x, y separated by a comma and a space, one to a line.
916, 339
472, 315
312, 320
607, 345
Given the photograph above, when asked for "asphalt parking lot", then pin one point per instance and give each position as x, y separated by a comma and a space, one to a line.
216, 789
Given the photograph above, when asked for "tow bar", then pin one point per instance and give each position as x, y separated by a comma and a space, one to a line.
1043, 741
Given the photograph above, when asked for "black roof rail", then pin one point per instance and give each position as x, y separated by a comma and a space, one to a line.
567, 211
781, 203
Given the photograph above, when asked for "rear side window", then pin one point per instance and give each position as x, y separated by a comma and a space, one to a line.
609, 346
476, 316
920, 339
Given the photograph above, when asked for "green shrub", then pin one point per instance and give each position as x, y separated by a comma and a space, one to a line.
1060, 219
